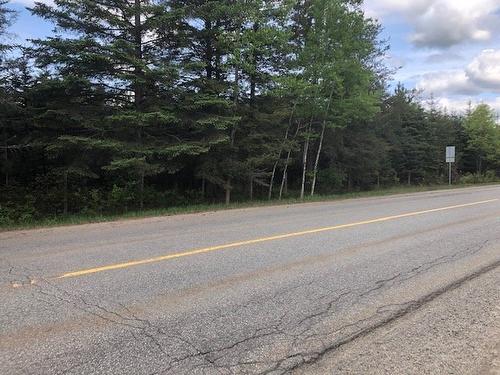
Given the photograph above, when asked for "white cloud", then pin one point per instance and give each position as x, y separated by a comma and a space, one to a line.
484, 70
442, 23
461, 105
381, 8
480, 76
447, 82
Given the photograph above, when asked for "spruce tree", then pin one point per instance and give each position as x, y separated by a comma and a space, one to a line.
6, 18
67, 113
128, 49
9, 109
207, 102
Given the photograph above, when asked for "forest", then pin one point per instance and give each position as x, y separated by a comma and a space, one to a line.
139, 104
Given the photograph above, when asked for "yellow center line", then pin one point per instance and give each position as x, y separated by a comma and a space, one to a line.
259, 240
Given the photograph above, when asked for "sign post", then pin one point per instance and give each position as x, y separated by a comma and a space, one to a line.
450, 158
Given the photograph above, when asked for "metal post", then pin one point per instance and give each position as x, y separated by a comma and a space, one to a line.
449, 173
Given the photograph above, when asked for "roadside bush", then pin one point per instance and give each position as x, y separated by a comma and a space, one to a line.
5, 216
119, 198
11, 212
478, 178
90, 201
331, 180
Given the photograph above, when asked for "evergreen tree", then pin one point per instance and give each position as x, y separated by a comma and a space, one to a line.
66, 115
6, 18
136, 103
128, 50
9, 109
207, 101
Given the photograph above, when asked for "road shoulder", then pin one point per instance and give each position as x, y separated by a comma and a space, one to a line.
465, 339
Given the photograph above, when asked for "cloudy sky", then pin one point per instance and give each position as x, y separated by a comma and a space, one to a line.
450, 48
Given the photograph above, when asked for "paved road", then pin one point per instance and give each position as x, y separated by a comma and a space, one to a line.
408, 284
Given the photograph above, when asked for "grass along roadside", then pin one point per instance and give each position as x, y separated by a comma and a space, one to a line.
76, 219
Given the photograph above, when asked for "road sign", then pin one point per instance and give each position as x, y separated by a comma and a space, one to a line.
450, 158
450, 154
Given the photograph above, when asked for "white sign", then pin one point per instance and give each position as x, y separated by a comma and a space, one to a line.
450, 154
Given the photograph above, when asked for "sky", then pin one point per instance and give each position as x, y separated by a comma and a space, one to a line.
449, 49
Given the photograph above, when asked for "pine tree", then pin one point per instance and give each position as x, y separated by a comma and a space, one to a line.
66, 115
208, 102
227, 60
7, 16
9, 108
129, 50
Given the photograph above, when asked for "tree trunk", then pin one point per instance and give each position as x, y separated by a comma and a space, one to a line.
286, 182
232, 135
304, 159
251, 188
273, 174
253, 75
409, 178
283, 179
138, 85
141, 191
65, 195
218, 58
203, 187
6, 156
237, 71
320, 146
138, 89
285, 169
271, 183
275, 166
227, 187
209, 50
316, 162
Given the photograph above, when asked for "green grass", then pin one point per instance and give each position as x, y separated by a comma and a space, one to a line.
170, 211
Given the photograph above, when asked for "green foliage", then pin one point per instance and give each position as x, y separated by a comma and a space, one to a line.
478, 178
7, 16
332, 179
483, 134
148, 104
119, 198
12, 212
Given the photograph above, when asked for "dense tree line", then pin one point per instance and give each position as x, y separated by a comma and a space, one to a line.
135, 104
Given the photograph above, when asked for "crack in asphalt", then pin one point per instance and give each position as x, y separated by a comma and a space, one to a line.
15, 276
384, 314
215, 357
408, 308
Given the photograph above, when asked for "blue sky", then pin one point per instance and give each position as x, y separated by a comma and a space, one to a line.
447, 48
27, 26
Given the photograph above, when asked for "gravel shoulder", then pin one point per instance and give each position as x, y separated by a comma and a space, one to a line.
457, 333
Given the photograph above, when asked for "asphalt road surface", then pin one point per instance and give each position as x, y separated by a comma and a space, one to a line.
408, 284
